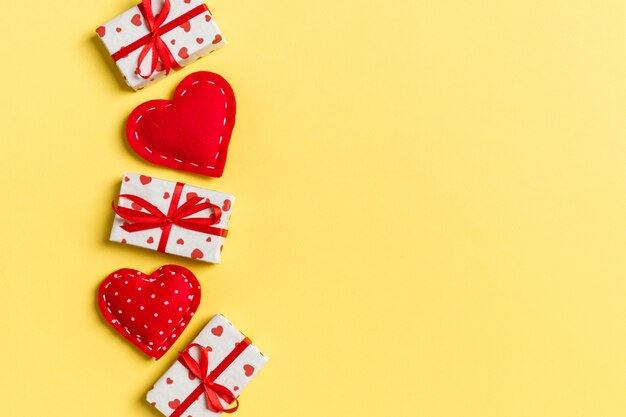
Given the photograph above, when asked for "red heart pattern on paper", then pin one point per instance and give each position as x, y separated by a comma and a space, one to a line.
248, 369
144, 179
174, 404
150, 311
207, 17
183, 53
217, 39
136, 20
197, 254
226, 205
101, 31
199, 40
190, 132
169, 381
217, 331
186, 26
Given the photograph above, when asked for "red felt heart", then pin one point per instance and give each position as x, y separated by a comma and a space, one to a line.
192, 131
151, 311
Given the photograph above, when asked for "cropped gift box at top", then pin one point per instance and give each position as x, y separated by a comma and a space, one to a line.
156, 36
172, 217
209, 374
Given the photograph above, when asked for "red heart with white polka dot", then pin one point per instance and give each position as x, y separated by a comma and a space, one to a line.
151, 311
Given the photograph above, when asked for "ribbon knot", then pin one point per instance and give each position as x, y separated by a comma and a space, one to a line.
145, 216
155, 44
213, 392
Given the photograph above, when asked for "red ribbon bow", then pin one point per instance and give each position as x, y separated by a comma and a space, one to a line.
212, 391
155, 44
153, 218
152, 42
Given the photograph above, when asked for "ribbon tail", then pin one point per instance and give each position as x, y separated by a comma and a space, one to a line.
227, 396
232, 409
213, 401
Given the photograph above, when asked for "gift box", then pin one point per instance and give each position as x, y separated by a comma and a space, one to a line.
149, 40
209, 374
171, 217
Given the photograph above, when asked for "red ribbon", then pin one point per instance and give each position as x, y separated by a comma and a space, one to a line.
153, 218
213, 392
152, 42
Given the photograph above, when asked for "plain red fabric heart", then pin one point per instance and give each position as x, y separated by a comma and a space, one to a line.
151, 311
192, 131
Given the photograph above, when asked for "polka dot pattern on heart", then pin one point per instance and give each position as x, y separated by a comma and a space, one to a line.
145, 309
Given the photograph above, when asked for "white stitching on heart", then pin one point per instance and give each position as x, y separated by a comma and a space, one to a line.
168, 105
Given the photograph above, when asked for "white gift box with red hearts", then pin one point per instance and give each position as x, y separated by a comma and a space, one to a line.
181, 241
187, 41
220, 338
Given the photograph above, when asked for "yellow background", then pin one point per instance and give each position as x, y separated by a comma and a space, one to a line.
430, 217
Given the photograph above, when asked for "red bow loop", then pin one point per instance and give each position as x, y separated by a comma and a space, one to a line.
212, 391
155, 44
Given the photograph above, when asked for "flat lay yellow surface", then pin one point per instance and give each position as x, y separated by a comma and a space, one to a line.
430, 216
